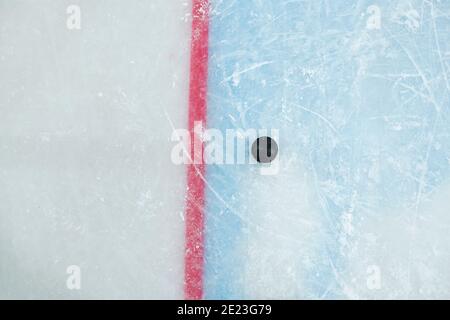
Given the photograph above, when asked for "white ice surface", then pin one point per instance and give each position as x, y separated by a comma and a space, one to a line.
85, 171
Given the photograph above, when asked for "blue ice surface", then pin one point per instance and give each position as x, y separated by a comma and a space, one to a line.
344, 95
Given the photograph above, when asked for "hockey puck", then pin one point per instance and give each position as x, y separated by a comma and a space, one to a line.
264, 149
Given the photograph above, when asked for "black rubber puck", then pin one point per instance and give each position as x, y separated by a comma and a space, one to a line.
264, 149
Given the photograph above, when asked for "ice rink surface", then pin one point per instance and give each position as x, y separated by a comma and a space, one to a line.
360, 93
85, 171
358, 90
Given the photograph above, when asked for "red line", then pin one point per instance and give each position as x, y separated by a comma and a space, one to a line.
194, 254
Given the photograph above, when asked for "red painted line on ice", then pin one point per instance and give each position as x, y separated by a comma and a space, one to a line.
195, 202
